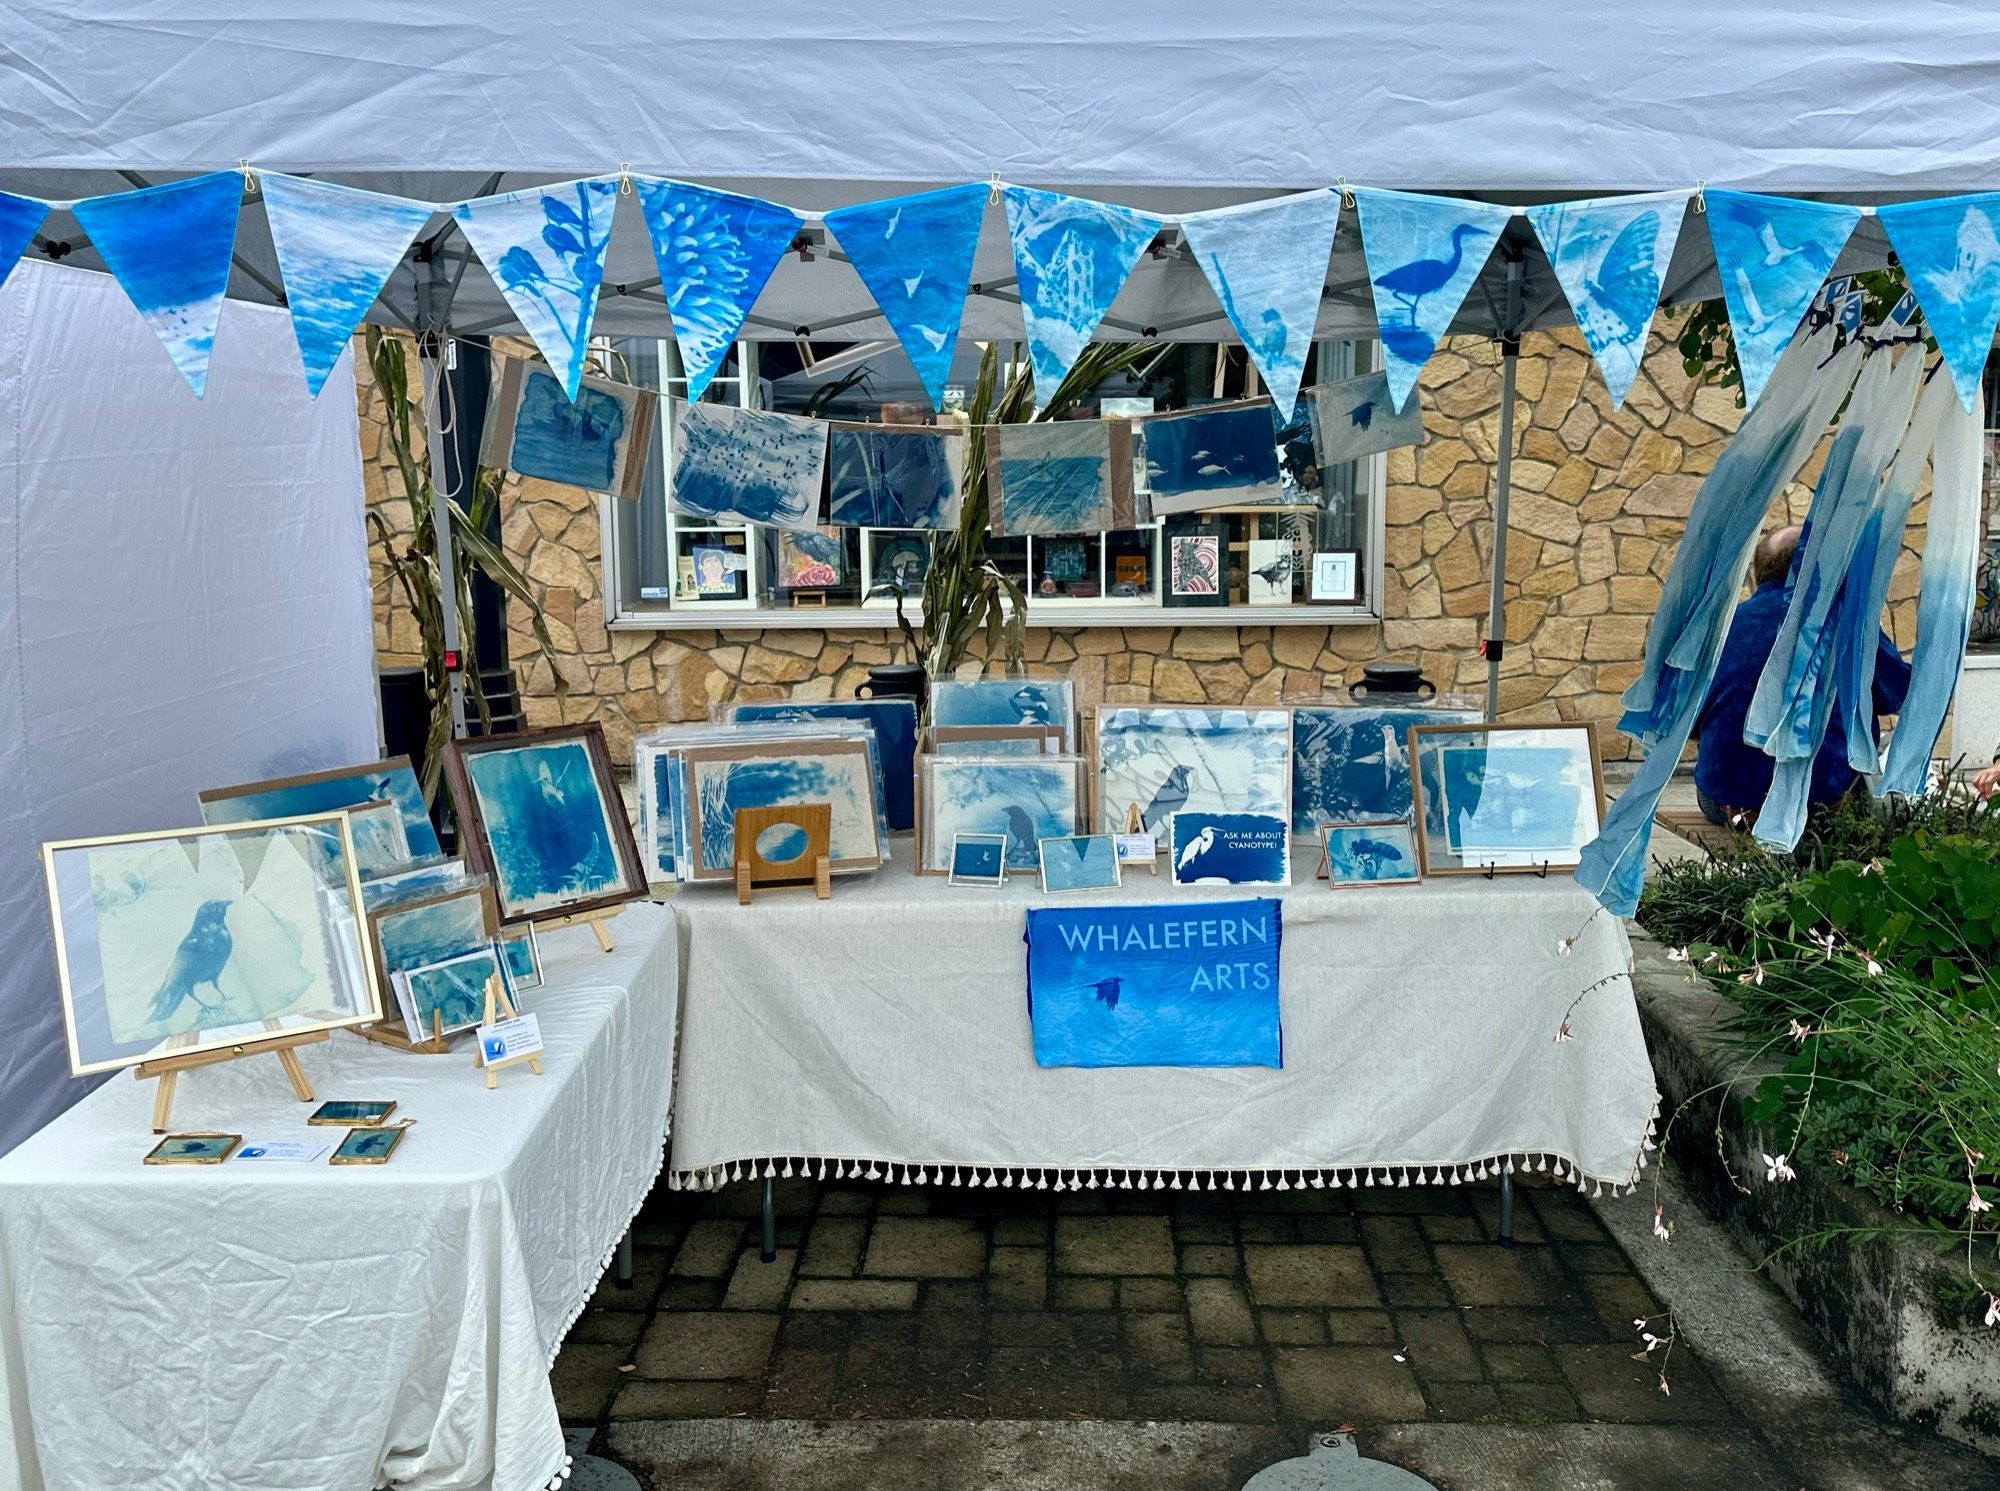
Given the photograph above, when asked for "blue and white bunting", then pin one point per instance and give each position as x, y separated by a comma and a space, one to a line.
1772, 254
715, 250
20, 218
544, 248
1266, 262
337, 247
1071, 258
1951, 257
915, 256
1611, 257
169, 248
1423, 254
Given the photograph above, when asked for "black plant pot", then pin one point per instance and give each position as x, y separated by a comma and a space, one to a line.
1392, 681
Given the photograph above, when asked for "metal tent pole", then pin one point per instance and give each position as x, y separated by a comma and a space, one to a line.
433, 356
1496, 606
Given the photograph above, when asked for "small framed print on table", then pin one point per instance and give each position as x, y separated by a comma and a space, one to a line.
1079, 862
979, 860
1197, 564
1336, 577
1383, 852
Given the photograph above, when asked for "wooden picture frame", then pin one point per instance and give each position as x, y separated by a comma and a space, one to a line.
1428, 855
691, 854
475, 842
320, 790
1050, 736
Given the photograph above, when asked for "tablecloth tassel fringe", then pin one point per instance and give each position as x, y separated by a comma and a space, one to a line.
556, 1480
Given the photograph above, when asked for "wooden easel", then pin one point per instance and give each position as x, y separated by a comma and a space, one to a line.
498, 1004
599, 923
395, 1033
169, 1068
810, 870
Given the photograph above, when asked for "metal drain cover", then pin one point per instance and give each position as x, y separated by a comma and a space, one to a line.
1333, 1462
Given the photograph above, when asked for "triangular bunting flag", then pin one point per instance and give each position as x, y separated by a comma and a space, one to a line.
19, 218
1610, 258
1951, 256
337, 247
715, 250
169, 248
1071, 258
1423, 254
544, 248
1772, 254
1267, 265
915, 256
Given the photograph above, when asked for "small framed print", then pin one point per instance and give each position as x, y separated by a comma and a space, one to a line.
1197, 564
1336, 577
1382, 852
520, 957
371, 1146
193, 1149
1079, 862
351, 1115
978, 859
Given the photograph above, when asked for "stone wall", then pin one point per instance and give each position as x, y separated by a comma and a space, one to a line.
1600, 498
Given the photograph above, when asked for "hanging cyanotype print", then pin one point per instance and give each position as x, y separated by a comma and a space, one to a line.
337, 247
1610, 258
1267, 265
169, 248
735, 465
1951, 257
1071, 258
20, 217
1771, 254
915, 256
1423, 254
544, 248
714, 250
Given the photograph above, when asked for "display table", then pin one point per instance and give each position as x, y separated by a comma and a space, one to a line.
335, 1328
885, 1032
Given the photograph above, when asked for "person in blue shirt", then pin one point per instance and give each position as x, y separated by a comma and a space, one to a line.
1730, 777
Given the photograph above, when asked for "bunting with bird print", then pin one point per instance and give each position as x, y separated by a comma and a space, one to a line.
1951, 257
1772, 254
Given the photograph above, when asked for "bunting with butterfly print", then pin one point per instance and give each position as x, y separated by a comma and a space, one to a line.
1611, 259
1772, 254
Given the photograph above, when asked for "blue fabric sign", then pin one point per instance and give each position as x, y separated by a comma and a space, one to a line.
1071, 258
544, 248
1610, 258
337, 247
20, 217
1167, 985
714, 250
1951, 255
1267, 265
1423, 254
915, 256
169, 248
1771, 253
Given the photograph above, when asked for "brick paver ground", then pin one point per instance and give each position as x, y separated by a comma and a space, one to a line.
1299, 1309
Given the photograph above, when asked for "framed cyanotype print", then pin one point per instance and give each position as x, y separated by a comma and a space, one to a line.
349, 1113
598, 441
185, 941
1222, 455
368, 1146
520, 957
894, 722
1351, 763
447, 997
323, 791
1229, 849
721, 780
1080, 862
421, 877
432, 928
380, 845
1024, 799
1007, 701
193, 1149
1382, 853
1060, 476
1154, 761
1505, 797
979, 860
994, 740
540, 812
735, 465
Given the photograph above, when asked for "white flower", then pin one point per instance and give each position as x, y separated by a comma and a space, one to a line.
1800, 1030
1677, 955
1639, 1324
1563, 947
1993, 1309
1976, 1203
1663, 1385
1562, 1032
1660, 1228
1754, 976
1776, 1167
1874, 968
1824, 941
1650, 1339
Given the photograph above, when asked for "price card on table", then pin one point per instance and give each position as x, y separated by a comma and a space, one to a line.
510, 1040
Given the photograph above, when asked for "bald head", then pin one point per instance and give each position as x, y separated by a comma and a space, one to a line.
1772, 559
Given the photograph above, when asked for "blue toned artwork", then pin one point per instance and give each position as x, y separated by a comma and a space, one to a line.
714, 250
368, 1145
1071, 258
196, 1149
1611, 257
337, 247
894, 722
1267, 263
659, 776
902, 562
450, 925
1230, 849
169, 247
20, 218
1161, 985
1058, 477
1155, 761
1423, 254
380, 847
1225, 456
1371, 853
882, 477
1951, 256
1300, 479
979, 859
450, 996
723, 781
595, 440
1351, 761
1006, 701
1772, 255
737, 465
1079, 862
329, 791
419, 878
1357, 418
548, 825
1509, 798
544, 248
914, 254
520, 958
1026, 800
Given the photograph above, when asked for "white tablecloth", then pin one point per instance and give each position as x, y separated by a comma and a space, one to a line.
335, 1328
888, 1029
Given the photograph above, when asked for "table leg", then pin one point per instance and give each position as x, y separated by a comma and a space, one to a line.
1506, 1206
769, 1254
625, 1260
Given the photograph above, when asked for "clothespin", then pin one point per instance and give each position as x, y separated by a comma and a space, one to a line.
993, 189
1346, 193
1701, 196
625, 178
249, 176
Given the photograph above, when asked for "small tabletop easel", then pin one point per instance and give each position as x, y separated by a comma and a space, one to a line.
395, 1033
498, 1005
810, 869
598, 921
169, 1068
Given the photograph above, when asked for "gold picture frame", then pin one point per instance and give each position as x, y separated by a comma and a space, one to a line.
208, 1153
1432, 857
